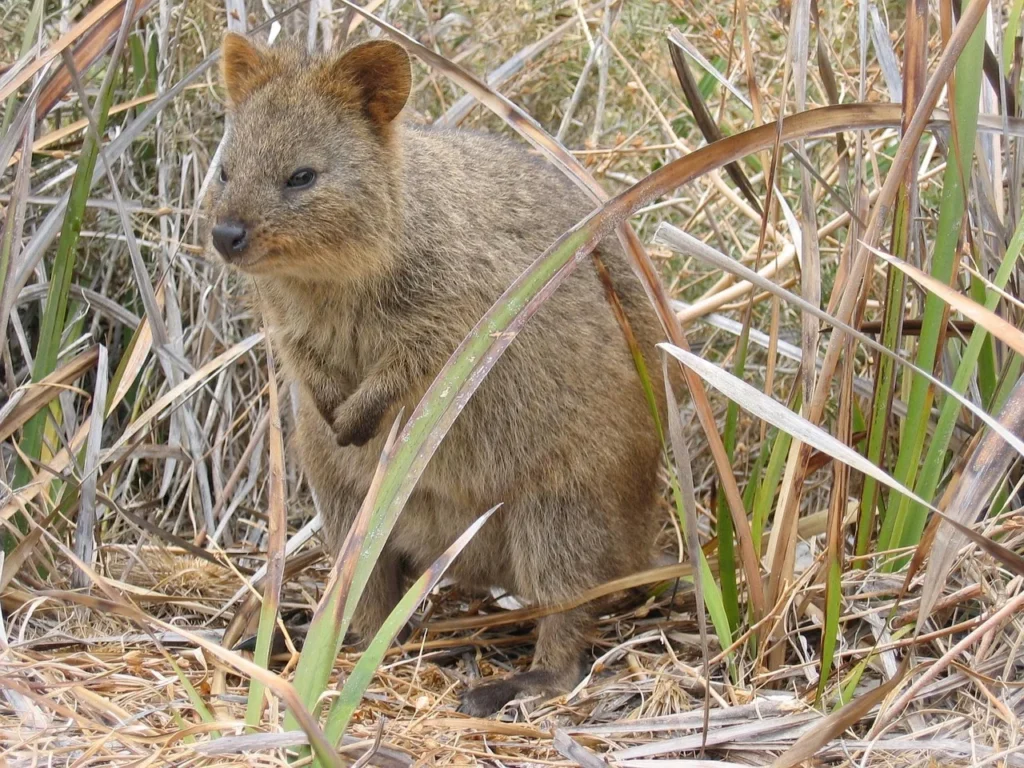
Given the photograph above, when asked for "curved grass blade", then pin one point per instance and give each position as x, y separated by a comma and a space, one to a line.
457, 112
659, 575
986, 469
494, 332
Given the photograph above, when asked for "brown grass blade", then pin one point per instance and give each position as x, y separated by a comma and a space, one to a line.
985, 471
997, 617
1004, 555
835, 724
91, 19
571, 749
128, 370
658, 575
87, 51
14, 561
36, 396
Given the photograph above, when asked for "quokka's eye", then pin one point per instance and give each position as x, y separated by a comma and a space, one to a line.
303, 177
223, 174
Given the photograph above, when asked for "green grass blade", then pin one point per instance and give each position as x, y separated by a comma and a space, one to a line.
726, 547
769, 486
830, 632
881, 402
54, 317
988, 376
931, 469
193, 695
1011, 373
951, 212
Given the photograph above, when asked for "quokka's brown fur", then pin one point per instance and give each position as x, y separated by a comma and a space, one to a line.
370, 276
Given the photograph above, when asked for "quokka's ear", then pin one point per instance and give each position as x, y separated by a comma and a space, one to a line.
244, 67
378, 75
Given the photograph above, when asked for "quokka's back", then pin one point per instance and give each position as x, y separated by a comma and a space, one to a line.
374, 249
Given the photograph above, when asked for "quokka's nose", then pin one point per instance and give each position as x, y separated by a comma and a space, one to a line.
230, 238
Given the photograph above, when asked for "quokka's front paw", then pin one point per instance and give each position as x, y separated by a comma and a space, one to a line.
353, 425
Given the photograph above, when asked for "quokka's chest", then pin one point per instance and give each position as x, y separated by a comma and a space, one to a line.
338, 348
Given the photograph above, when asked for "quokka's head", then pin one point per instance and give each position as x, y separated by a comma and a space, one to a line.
306, 186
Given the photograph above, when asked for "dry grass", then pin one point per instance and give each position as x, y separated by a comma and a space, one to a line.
81, 684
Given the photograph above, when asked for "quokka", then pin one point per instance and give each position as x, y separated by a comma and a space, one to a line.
374, 247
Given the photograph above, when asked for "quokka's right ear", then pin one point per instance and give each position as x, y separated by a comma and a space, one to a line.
244, 67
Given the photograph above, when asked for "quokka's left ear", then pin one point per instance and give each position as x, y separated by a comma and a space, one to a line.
375, 76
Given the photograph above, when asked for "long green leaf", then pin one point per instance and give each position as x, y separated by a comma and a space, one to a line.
951, 213
931, 469
52, 326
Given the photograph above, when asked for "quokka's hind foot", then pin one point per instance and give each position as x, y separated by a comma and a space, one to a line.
488, 698
556, 667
